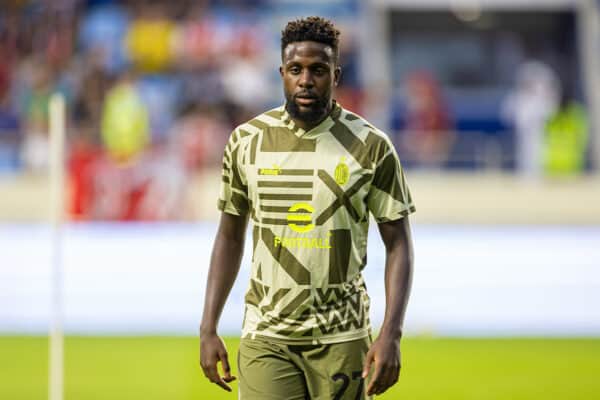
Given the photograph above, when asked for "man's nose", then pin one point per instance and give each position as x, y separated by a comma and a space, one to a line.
306, 79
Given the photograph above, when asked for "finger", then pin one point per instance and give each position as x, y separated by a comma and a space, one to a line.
224, 385
213, 376
375, 380
367, 364
389, 377
385, 380
226, 368
380, 384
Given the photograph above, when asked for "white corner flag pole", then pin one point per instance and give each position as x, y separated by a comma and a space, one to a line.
57, 181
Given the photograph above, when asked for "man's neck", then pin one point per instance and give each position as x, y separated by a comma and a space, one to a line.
308, 125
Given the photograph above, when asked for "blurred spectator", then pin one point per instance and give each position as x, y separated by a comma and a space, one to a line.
125, 121
81, 165
566, 139
198, 137
60, 39
89, 99
195, 141
34, 110
197, 39
203, 84
244, 78
119, 189
150, 39
120, 180
349, 91
159, 94
102, 31
428, 135
533, 100
85, 136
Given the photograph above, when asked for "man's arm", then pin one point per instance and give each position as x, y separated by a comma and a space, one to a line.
385, 350
224, 266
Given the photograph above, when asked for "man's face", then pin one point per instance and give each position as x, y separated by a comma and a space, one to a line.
309, 73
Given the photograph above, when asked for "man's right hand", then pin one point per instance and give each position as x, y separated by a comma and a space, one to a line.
213, 350
224, 267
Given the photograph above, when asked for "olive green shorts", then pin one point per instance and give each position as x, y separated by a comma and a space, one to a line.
275, 371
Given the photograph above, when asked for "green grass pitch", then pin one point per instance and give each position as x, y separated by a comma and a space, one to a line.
166, 368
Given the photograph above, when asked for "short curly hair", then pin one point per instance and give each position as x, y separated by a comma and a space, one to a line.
316, 29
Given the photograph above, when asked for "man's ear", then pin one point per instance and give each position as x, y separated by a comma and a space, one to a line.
281, 70
337, 74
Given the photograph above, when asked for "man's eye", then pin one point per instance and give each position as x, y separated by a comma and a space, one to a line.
294, 70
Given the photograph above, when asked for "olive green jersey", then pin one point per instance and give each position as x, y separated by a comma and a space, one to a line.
309, 194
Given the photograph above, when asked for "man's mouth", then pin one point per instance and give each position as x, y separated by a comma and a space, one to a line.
305, 99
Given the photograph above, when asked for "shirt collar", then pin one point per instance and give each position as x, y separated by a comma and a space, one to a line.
334, 114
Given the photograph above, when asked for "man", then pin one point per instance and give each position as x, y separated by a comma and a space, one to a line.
308, 174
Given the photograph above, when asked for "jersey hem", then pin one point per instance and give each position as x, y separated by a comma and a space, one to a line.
340, 338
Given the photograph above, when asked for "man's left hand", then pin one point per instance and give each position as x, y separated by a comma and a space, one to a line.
385, 354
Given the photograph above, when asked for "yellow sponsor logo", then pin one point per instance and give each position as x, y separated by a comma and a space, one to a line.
302, 243
276, 170
292, 217
342, 172
301, 212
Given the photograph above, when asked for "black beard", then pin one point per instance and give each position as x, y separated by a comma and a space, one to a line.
316, 112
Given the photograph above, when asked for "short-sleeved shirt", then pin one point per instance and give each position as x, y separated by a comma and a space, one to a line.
309, 195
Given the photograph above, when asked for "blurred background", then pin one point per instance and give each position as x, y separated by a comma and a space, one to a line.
493, 106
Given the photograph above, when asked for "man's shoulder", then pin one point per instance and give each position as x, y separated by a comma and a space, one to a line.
363, 129
267, 119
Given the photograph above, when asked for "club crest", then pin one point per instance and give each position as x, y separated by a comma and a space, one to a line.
342, 172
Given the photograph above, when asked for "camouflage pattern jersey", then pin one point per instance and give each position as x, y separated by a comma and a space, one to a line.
309, 195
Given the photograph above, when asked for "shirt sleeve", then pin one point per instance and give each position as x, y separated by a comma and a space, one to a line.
389, 198
233, 197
